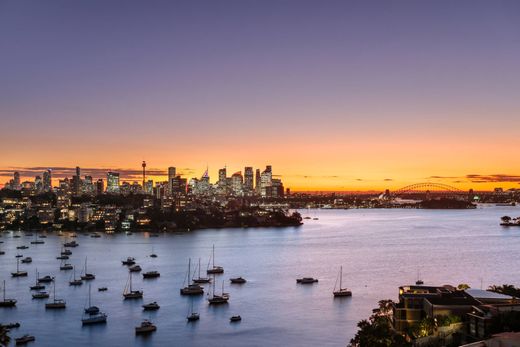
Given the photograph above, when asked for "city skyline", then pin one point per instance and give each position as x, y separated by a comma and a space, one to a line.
344, 97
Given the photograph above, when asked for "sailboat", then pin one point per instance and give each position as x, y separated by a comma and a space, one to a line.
87, 276
201, 279
191, 289
341, 291
18, 273
193, 316
7, 302
214, 269
153, 255
419, 280
56, 303
129, 293
75, 282
92, 314
218, 299
91, 309
37, 284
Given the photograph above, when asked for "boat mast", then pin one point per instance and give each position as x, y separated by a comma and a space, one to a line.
89, 287
4, 290
340, 277
213, 257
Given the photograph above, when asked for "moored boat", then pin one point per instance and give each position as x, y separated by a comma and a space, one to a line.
151, 274
129, 293
152, 306
238, 280
24, 340
341, 292
7, 302
306, 280
146, 327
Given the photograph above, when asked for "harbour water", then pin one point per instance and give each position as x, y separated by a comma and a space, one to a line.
378, 249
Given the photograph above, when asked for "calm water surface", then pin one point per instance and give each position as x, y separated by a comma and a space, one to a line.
379, 250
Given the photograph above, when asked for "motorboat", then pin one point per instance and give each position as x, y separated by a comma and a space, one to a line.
151, 274
146, 327
306, 280
152, 306
45, 279
27, 260
71, 244
235, 319
238, 280
135, 268
40, 295
128, 261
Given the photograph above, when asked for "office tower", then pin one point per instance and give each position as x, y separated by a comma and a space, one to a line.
38, 185
100, 187
47, 180
16, 181
78, 171
266, 181
172, 173
237, 183
88, 185
113, 182
148, 188
144, 173
248, 180
257, 181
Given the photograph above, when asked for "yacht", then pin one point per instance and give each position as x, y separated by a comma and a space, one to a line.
45, 279
74, 281
214, 269
92, 310
146, 327
235, 319
56, 304
238, 280
37, 285
191, 289
18, 255
153, 306
66, 266
66, 252
40, 295
306, 280
341, 291
63, 257
135, 268
27, 260
128, 261
218, 299
193, 316
18, 273
201, 279
151, 274
98, 318
129, 293
71, 244
86, 275
7, 302
22, 247
102, 289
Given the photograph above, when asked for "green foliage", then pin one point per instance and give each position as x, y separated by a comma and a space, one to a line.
377, 331
506, 289
463, 286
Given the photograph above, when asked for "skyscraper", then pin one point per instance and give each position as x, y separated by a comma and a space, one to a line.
172, 173
144, 173
113, 182
257, 181
248, 180
47, 180
100, 187
16, 181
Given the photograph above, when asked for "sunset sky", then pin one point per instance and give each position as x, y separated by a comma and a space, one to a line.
335, 95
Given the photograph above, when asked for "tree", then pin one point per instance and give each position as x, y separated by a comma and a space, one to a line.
463, 286
378, 331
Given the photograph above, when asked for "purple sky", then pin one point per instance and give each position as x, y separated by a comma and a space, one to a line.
191, 83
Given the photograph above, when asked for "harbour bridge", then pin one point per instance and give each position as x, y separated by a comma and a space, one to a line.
425, 188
